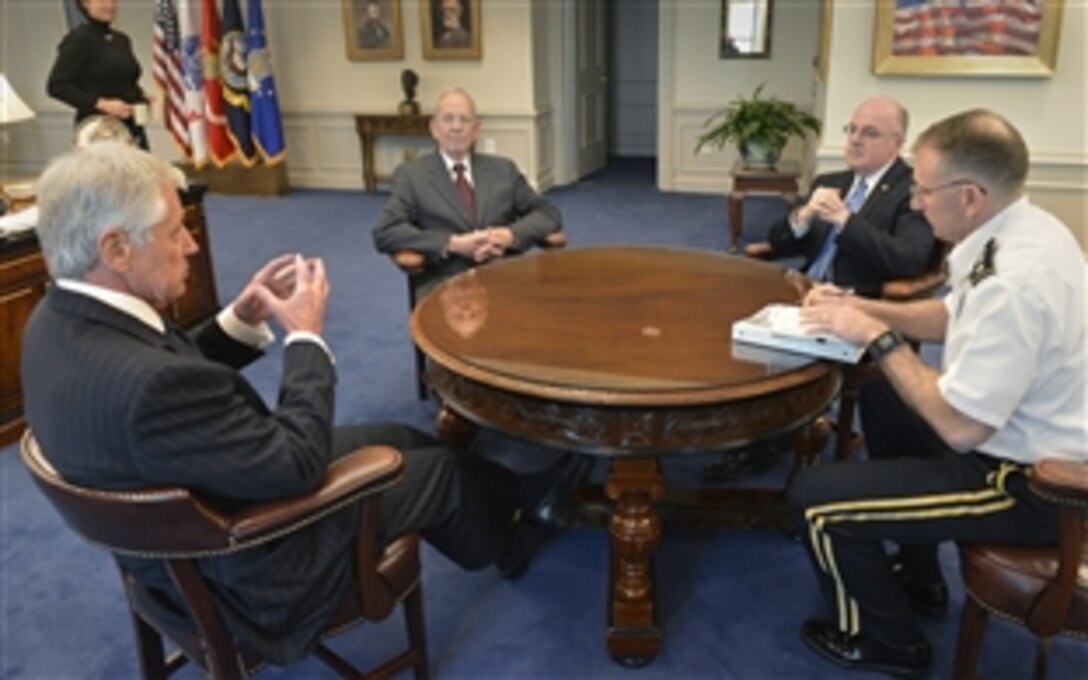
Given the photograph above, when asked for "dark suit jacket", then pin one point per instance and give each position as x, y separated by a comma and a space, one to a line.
884, 240
115, 404
425, 209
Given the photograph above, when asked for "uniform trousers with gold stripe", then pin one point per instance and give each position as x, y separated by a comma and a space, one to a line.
914, 491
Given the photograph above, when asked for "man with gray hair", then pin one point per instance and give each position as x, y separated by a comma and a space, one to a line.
951, 449
118, 398
457, 207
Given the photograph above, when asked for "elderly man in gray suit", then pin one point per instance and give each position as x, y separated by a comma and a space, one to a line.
118, 398
457, 207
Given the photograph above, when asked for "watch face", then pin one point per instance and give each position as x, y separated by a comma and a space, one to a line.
99, 128
884, 343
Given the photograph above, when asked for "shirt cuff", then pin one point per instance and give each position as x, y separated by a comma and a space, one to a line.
307, 336
259, 336
799, 228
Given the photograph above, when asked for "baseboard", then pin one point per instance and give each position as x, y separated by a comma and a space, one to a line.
260, 180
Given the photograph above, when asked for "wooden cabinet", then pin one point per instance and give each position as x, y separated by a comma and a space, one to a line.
23, 280
22, 284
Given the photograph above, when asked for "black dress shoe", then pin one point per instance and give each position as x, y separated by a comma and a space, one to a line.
928, 598
527, 537
563, 478
864, 652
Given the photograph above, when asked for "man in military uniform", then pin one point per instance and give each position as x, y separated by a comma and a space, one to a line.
950, 449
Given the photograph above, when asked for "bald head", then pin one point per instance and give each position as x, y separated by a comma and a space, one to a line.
982, 146
875, 134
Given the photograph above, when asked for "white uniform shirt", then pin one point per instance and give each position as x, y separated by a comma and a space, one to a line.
1014, 355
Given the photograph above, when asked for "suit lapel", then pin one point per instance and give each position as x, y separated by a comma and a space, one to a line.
882, 190
443, 185
482, 183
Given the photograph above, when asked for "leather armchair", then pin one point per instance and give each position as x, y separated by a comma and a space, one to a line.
1044, 589
179, 527
412, 263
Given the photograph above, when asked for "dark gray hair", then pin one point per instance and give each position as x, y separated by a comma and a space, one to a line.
85, 192
982, 146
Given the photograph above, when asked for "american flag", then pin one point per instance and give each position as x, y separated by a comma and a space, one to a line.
967, 27
166, 66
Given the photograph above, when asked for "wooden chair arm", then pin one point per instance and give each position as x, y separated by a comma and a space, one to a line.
409, 261
173, 522
1061, 481
921, 286
413, 262
361, 473
760, 251
555, 239
1066, 483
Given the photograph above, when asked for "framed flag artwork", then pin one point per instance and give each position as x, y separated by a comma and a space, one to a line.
967, 37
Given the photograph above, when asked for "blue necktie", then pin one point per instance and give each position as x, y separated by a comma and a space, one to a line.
821, 267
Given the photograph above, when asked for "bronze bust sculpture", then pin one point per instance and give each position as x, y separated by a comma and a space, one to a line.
408, 81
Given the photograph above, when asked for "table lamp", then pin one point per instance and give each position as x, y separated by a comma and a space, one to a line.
12, 110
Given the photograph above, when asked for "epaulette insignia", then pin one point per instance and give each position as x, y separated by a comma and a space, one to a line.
984, 265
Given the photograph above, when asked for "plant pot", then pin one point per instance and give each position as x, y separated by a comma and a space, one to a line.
756, 155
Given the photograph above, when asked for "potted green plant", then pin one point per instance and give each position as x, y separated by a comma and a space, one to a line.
760, 126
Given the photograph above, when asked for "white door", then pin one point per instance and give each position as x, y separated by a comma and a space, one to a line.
591, 54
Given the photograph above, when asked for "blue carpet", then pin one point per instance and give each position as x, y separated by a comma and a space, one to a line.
731, 602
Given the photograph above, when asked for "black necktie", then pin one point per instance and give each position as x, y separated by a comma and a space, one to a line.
468, 196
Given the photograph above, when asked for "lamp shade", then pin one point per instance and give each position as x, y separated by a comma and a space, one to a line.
12, 108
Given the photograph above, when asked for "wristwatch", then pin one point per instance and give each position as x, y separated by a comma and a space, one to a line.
883, 344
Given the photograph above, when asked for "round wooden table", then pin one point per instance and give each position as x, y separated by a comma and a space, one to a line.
623, 352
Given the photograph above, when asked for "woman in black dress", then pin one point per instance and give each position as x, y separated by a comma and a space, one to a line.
96, 71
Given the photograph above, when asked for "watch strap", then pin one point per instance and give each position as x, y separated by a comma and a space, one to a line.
883, 344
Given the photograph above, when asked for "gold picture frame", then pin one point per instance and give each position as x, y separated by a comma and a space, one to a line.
451, 29
373, 30
1024, 41
823, 60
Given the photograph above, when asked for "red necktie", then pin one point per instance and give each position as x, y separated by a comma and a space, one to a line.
468, 196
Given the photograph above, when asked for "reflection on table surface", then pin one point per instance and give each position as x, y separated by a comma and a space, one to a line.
626, 320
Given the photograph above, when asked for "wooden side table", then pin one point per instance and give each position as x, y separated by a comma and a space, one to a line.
371, 126
778, 181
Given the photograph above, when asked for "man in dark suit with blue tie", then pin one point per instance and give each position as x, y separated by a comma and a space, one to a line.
857, 228
457, 207
118, 398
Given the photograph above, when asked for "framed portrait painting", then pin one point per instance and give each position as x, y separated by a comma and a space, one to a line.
373, 30
451, 29
966, 37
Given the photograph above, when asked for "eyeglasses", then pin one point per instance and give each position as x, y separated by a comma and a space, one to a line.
867, 133
451, 118
919, 191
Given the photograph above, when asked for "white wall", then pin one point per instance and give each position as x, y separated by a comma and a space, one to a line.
1049, 112
695, 83
519, 85
319, 88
